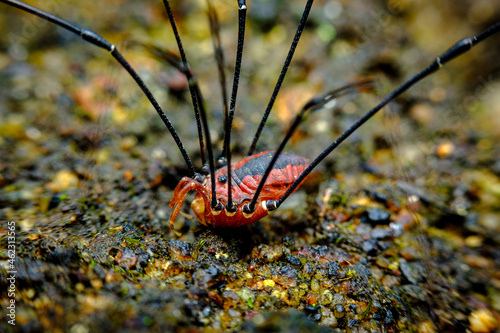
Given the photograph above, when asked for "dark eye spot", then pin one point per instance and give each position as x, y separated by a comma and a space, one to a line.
222, 179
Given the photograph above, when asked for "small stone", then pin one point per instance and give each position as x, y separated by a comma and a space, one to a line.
474, 241
286, 276
339, 311
445, 149
233, 313
390, 281
351, 323
409, 253
63, 181
378, 216
382, 262
126, 258
314, 285
269, 283
426, 327
412, 272
294, 260
326, 297
381, 233
333, 269
369, 247
327, 319
313, 311
308, 269
128, 176
208, 277
482, 321
478, 261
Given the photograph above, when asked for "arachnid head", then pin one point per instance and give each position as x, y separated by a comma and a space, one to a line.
208, 216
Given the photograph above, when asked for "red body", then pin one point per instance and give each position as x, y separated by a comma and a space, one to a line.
246, 176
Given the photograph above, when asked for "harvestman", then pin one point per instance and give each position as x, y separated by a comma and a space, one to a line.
245, 192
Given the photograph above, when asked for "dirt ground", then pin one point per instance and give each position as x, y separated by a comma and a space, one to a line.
397, 231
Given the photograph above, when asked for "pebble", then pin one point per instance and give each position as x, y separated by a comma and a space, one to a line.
63, 181
426, 327
482, 321
378, 216
409, 253
269, 283
128, 176
314, 285
390, 281
126, 258
445, 149
369, 247
339, 311
294, 260
412, 272
474, 241
380, 233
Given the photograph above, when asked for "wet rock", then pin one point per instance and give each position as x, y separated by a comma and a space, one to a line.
483, 321
126, 258
339, 311
179, 249
409, 253
369, 247
413, 272
378, 216
313, 311
334, 269
308, 269
64, 257
265, 253
230, 298
208, 277
382, 233
324, 254
286, 276
294, 260
390, 281
351, 323
415, 292
143, 258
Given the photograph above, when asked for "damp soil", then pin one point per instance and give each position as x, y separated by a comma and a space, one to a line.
397, 231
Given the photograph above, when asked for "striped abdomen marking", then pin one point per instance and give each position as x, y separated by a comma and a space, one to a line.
248, 173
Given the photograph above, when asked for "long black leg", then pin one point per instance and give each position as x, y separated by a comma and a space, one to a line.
219, 57
199, 98
99, 41
277, 88
312, 105
242, 14
173, 60
228, 118
191, 80
454, 51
